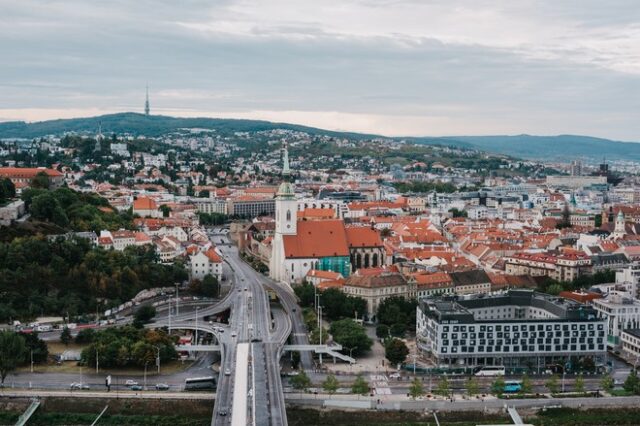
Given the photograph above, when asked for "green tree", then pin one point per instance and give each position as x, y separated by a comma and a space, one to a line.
166, 210
35, 344
395, 351
12, 352
144, 314
40, 181
330, 385
607, 383
350, 334
472, 387
398, 310
300, 381
7, 190
416, 389
442, 388
65, 336
579, 384
497, 387
360, 386
86, 335
209, 286
632, 382
552, 384
306, 293
526, 385
382, 331
397, 329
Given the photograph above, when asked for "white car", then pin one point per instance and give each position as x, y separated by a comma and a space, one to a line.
394, 375
234, 334
227, 372
79, 386
130, 383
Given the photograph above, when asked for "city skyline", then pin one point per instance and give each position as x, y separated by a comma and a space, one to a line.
384, 67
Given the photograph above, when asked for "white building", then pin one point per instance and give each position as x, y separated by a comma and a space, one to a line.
620, 312
206, 263
513, 328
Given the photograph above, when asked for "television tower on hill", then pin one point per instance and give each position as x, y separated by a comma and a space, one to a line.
146, 103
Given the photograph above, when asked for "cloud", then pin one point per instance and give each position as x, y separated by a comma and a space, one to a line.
381, 66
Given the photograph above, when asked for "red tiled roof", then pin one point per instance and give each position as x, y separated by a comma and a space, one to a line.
311, 213
144, 203
213, 255
317, 238
325, 275
27, 172
363, 237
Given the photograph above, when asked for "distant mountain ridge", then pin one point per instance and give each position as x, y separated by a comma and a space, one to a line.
561, 147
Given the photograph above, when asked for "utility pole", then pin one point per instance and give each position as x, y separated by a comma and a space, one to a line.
32, 360
320, 321
97, 357
196, 342
177, 300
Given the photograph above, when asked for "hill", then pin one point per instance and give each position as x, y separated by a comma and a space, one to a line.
150, 125
562, 147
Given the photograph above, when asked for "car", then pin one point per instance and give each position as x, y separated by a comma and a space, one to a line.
130, 383
239, 291
256, 339
227, 372
79, 386
136, 388
246, 289
394, 375
293, 373
162, 386
234, 334
222, 412
294, 309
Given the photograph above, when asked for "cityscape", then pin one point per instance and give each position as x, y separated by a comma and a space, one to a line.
326, 242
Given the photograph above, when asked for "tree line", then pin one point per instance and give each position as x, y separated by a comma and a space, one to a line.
69, 277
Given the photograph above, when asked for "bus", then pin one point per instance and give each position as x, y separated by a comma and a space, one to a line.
495, 370
200, 383
512, 387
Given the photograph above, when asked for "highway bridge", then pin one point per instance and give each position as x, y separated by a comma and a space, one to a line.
251, 344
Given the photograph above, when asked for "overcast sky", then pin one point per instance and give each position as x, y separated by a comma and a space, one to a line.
395, 67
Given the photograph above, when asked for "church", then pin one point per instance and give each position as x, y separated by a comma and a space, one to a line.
299, 246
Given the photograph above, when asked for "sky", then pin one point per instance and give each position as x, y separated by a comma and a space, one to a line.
392, 67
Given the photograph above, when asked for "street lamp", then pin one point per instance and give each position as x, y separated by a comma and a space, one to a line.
158, 358
32, 360
97, 362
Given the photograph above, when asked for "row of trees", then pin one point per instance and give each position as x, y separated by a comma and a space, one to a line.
129, 346
554, 287
330, 385
69, 277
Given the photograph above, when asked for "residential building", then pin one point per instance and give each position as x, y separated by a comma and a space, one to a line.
513, 328
205, 263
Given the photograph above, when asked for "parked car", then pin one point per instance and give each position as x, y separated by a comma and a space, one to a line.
227, 372
162, 386
136, 388
130, 383
394, 375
